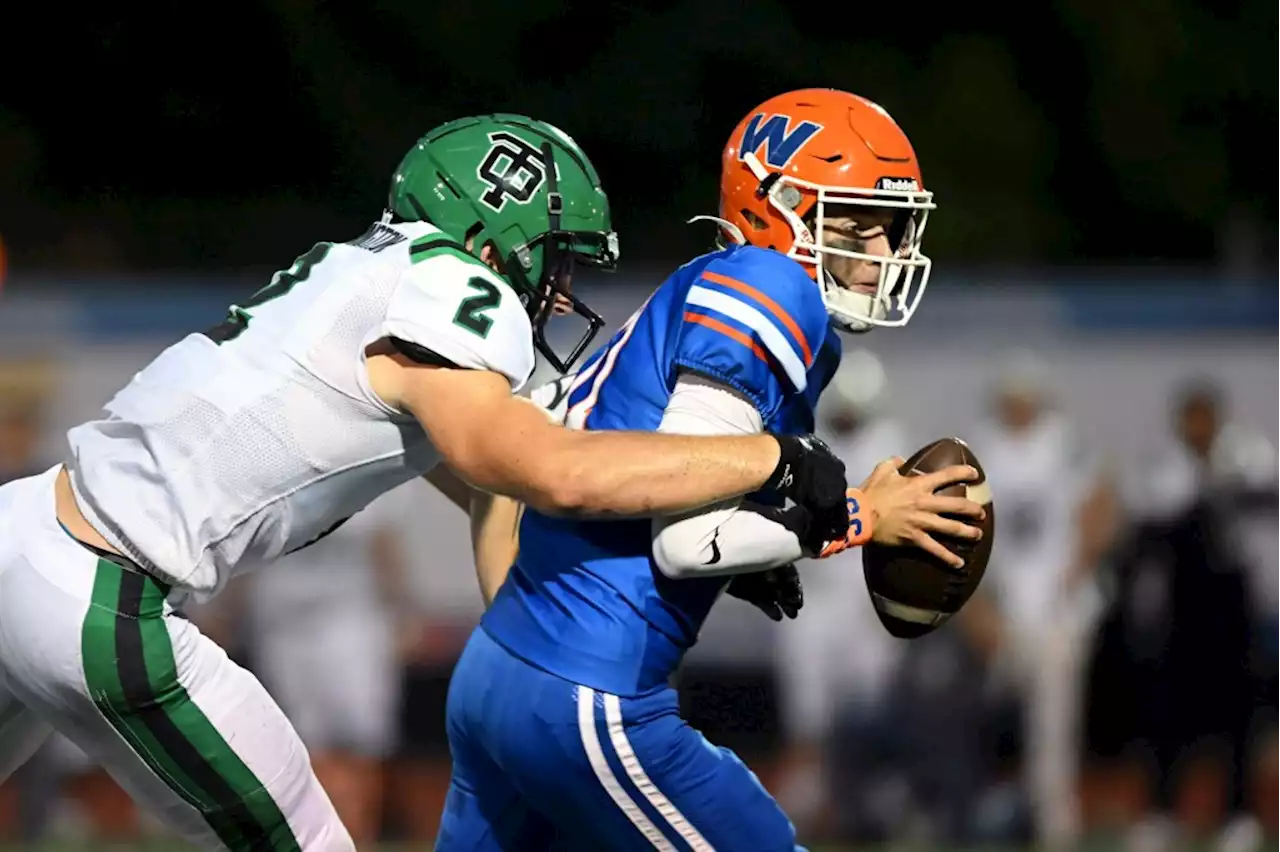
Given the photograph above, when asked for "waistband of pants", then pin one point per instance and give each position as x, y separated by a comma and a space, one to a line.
123, 562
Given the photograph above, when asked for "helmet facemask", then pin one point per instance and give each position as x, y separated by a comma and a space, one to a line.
898, 291
494, 182
559, 251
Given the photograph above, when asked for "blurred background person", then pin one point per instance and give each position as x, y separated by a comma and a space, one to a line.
834, 663
26, 389
1186, 658
327, 628
60, 790
441, 587
1056, 520
324, 631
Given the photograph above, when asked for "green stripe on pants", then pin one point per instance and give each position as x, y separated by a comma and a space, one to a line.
133, 679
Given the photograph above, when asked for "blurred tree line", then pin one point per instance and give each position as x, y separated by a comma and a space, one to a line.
1067, 131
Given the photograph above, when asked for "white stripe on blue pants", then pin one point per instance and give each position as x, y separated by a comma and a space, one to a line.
540, 763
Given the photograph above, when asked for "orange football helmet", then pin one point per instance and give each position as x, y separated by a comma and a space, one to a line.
796, 155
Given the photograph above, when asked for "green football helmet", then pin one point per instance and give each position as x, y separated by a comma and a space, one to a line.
527, 188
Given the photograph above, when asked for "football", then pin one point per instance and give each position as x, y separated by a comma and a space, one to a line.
913, 591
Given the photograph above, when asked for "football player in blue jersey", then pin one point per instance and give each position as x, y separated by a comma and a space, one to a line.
563, 729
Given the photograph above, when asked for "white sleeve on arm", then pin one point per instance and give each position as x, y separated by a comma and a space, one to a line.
688, 545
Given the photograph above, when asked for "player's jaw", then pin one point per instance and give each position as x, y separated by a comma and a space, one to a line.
488, 255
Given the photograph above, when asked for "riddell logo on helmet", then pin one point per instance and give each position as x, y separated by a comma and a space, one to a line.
899, 184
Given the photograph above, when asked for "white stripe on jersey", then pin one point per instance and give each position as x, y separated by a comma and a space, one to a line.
774, 340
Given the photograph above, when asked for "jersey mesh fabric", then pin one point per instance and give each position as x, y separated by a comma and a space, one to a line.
218, 458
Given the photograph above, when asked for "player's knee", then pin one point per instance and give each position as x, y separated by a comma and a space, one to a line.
774, 830
767, 827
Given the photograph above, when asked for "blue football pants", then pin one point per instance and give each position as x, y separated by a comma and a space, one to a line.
543, 764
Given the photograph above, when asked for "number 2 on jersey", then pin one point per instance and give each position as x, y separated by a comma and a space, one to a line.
473, 312
281, 283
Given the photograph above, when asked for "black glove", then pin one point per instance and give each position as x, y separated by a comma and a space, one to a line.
776, 592
797, 518
810, 474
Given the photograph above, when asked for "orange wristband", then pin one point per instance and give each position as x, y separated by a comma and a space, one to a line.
861, 524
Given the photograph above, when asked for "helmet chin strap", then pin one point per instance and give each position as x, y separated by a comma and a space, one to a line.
846, 307
733, 231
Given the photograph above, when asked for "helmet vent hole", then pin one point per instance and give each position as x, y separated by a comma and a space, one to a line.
753, 220
445, 183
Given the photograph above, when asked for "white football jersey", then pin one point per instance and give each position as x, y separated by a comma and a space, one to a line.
260, 436
837, 653
339, 574
1038, 479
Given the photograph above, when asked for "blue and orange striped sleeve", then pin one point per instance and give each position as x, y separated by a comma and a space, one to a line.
754, 320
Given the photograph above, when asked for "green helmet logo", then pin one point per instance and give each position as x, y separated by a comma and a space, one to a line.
525, 188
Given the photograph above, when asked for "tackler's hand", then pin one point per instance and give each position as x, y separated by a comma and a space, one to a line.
811, 475
861, 517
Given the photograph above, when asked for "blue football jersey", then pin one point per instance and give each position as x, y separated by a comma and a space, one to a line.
584, 600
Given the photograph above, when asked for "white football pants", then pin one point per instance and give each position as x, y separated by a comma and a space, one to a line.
91, 648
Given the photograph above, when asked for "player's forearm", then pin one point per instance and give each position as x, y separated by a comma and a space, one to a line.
722, 542
495, 539
448, 484
505, 445
631, 474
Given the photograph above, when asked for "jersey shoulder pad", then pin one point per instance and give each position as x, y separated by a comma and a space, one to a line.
754, 319
451, 304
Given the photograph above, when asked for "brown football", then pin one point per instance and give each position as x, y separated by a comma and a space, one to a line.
913, 591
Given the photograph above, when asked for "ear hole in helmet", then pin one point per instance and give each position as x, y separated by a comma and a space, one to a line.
753, 220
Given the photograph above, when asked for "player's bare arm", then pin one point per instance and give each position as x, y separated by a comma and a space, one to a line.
499, 443
495, 539
495, 528
454, 489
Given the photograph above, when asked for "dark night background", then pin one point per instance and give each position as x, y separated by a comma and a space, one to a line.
141, 136
1106, 179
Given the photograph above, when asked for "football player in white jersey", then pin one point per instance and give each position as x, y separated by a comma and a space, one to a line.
837, 660
364, 364
325, 625
1057, 518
